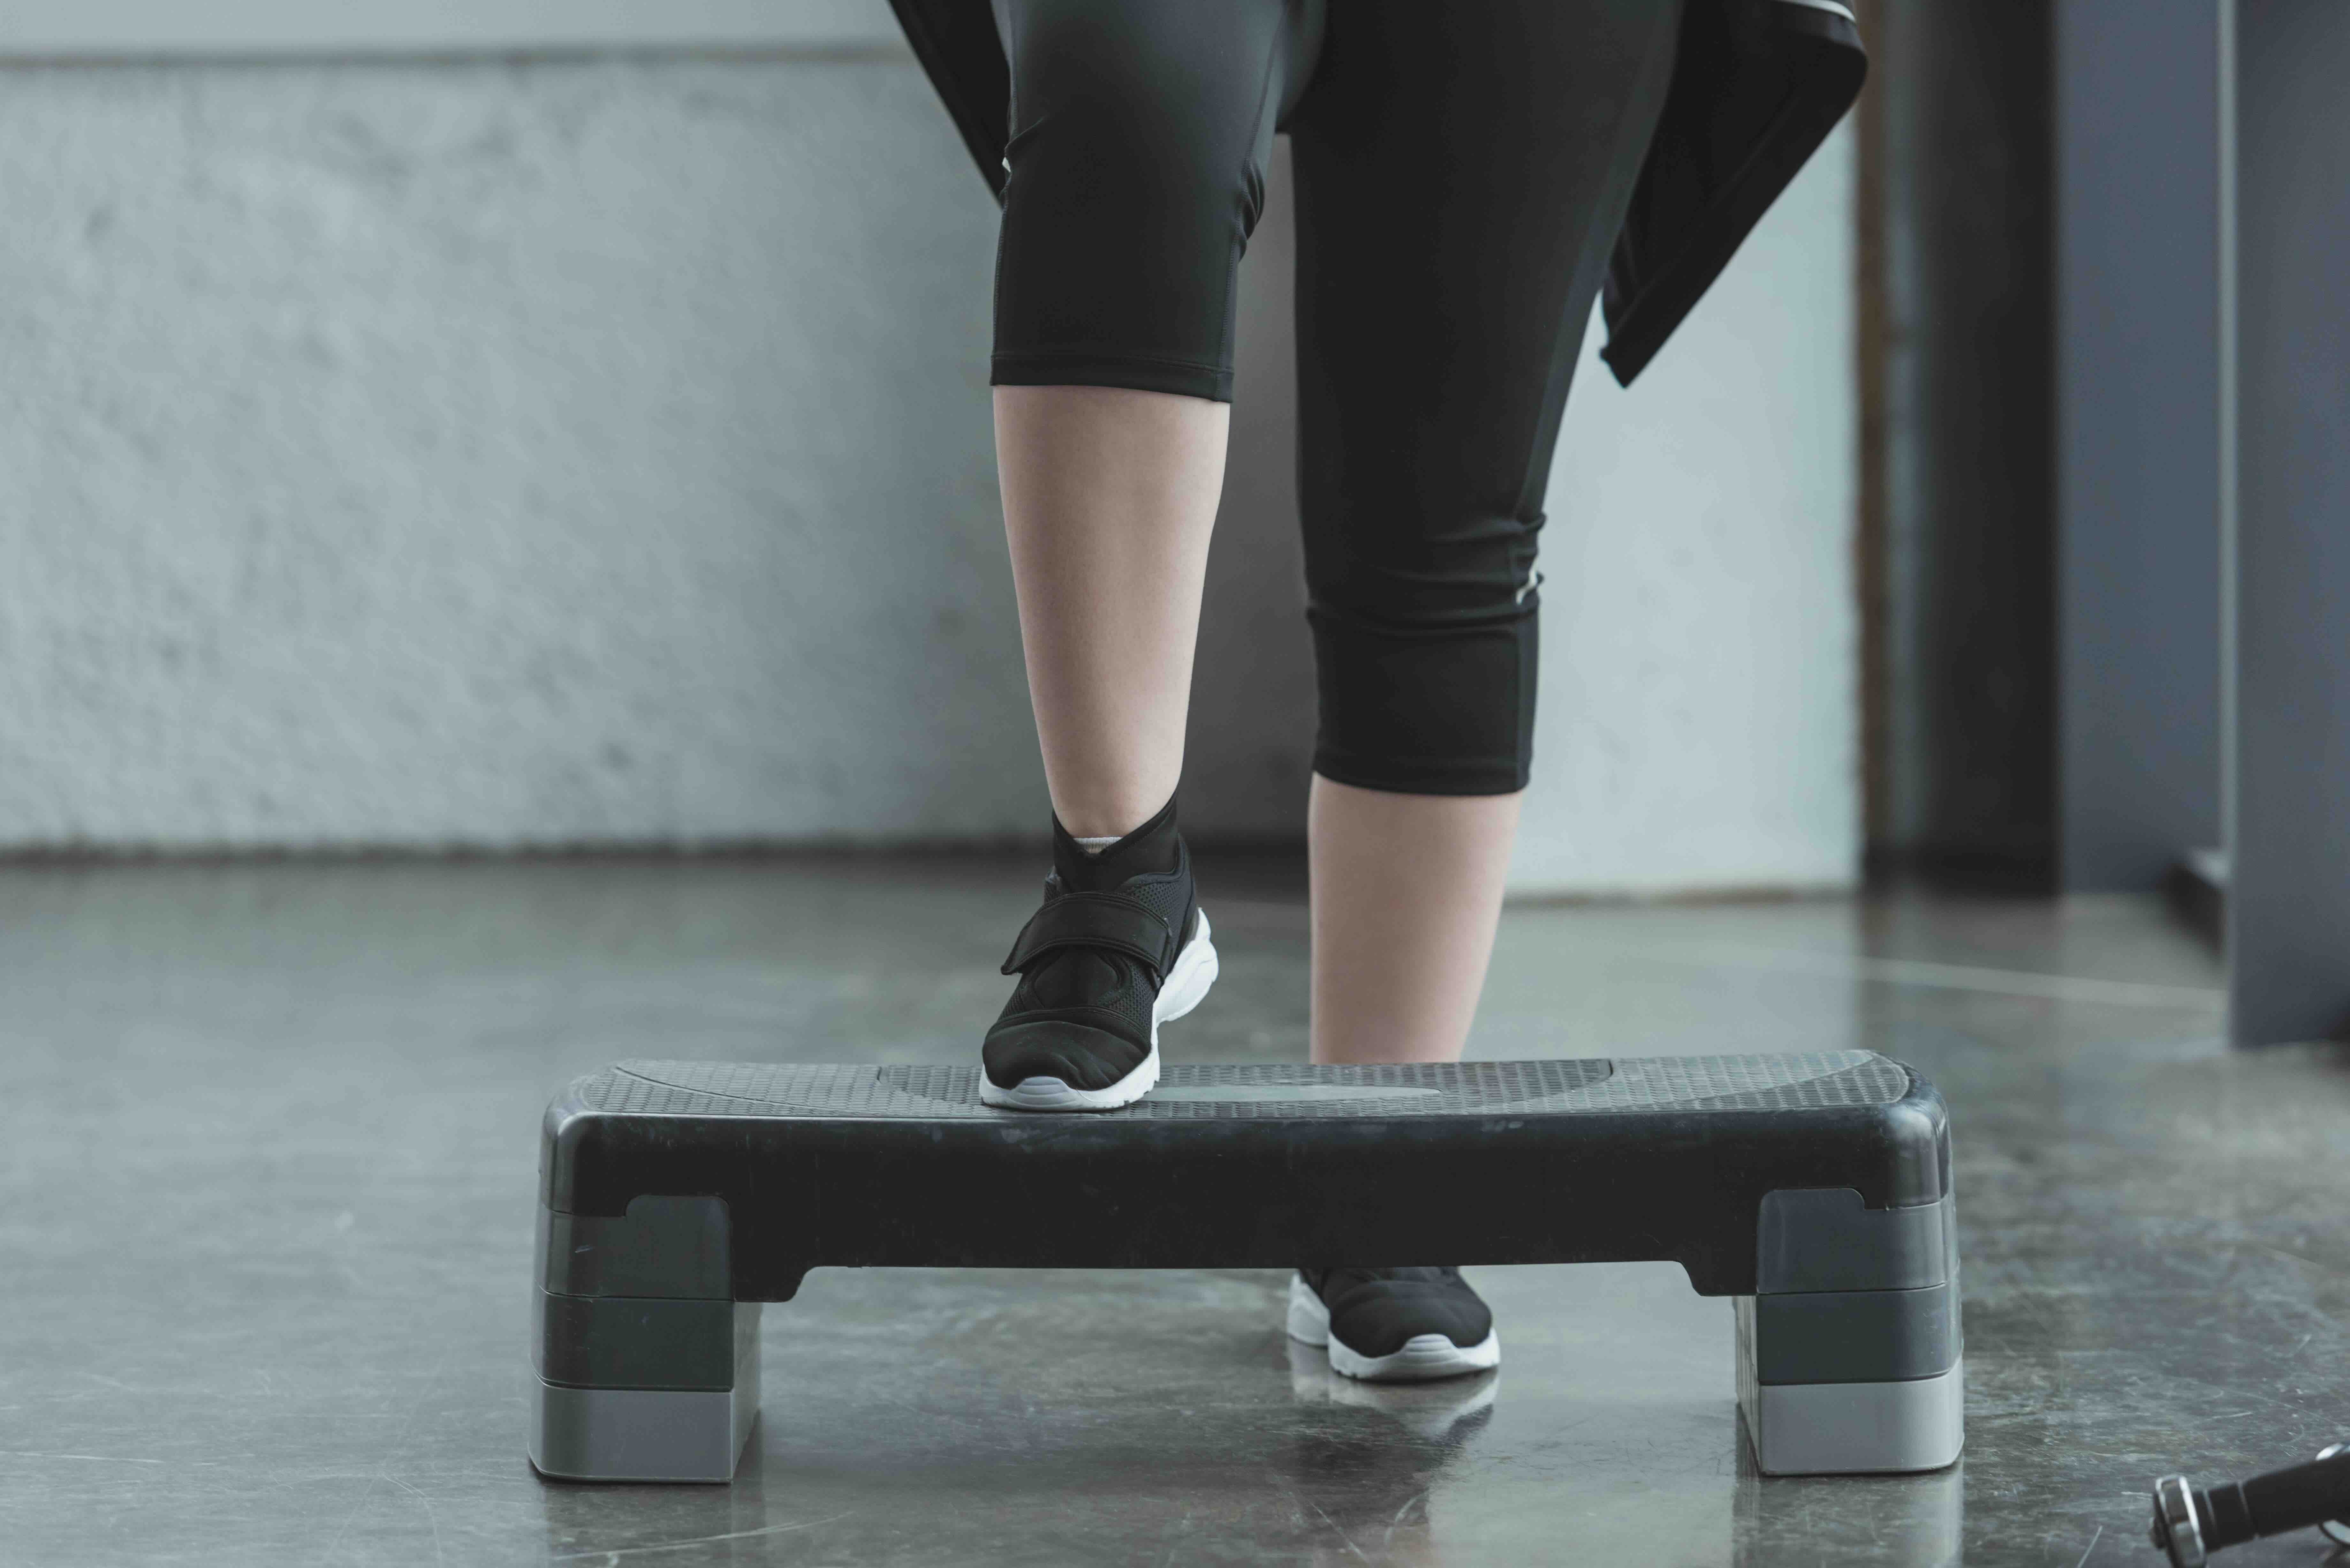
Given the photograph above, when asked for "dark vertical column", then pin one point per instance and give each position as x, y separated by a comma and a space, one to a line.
2289, 890
1964, 780
1872, 341
2138, 471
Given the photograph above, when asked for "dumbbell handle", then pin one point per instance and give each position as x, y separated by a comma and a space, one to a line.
2189, 1523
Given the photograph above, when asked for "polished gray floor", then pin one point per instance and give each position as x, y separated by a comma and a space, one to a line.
266, 1179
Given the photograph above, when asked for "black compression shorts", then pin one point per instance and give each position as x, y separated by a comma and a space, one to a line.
1462, 168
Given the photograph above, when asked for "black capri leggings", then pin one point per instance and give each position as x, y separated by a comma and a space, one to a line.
1462, 168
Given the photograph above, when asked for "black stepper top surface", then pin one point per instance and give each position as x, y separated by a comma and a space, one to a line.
1257, 1164
1810, 1081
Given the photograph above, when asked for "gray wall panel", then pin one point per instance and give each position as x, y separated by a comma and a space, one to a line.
2289, 898
2138, 437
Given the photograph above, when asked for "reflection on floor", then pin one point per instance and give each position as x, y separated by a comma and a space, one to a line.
266, 1218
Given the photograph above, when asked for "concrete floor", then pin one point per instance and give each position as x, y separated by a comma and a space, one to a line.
267, 1184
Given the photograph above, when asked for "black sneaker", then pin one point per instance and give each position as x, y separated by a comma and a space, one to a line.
1394, 1326
1118, 947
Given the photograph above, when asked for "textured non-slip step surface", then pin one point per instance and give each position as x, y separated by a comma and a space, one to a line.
1597, 1085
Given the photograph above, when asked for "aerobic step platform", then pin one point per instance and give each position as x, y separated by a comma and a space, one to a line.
676, 1196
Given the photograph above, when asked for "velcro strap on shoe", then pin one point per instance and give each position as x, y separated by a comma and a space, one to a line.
1095, 920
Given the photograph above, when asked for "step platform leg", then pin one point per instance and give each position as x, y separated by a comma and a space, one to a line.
1849, 1353
647, 1370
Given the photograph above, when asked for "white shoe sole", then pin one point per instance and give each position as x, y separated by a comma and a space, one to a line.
1187, 984
1424, 1356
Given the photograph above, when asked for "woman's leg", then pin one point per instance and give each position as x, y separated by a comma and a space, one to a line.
1141, 130
1407, 890
1463, 171
1108, 497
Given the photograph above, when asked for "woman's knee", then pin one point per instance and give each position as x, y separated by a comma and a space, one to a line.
1136, 172
1426, 674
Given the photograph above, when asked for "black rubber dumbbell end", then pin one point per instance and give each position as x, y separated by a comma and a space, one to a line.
2178, 1525
2191, 1525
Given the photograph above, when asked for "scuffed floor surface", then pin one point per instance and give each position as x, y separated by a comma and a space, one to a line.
266, 1161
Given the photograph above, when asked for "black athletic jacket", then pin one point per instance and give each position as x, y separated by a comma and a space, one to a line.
1757, 86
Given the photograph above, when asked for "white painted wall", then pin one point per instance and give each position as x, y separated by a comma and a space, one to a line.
423, 455
596, 451
100, 29
1699, 725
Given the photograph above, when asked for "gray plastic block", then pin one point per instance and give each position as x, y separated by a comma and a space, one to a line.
672, 1247
650, 1434
1856, 1337
643, 1341
1848, 1428
642, 1434
1826, 1238
1857, 1428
